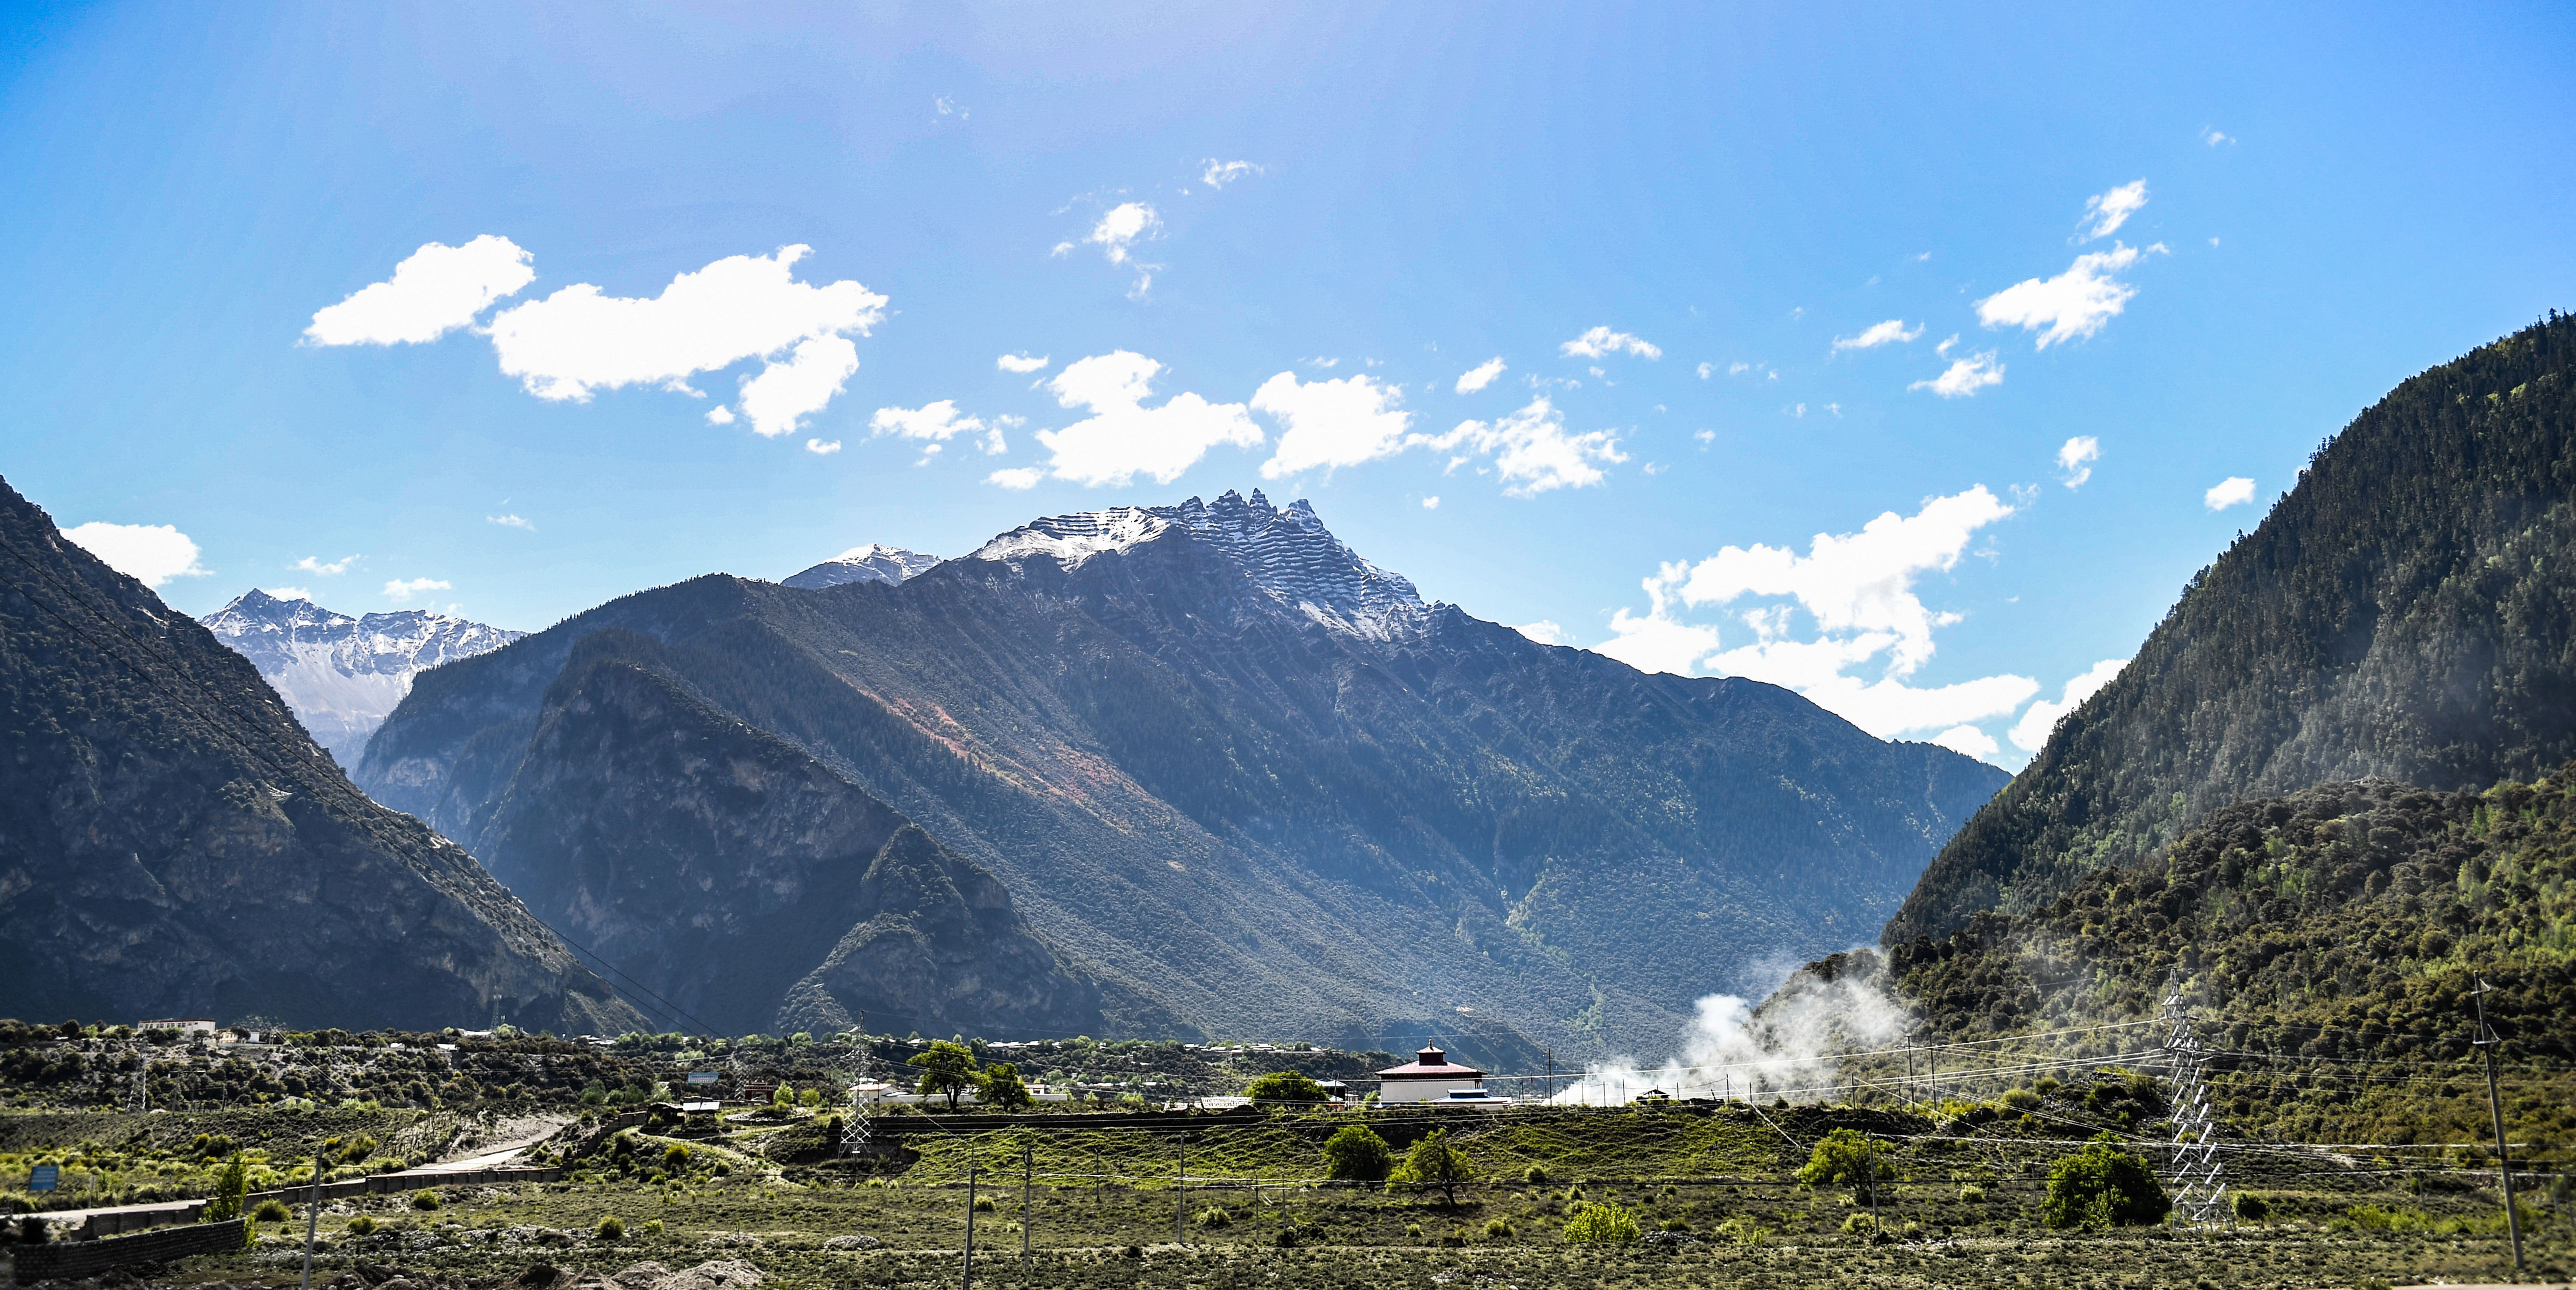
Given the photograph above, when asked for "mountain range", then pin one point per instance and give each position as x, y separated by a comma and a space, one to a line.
870, 563
1197, 769
173, 842
342, 675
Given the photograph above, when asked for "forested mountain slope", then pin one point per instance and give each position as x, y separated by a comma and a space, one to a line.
2404, 612
1251, 784
172, 842
2345, 923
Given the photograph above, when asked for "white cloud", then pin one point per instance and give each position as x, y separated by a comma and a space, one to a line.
327, 568
1736, 369
1705, 369
2074, 459
2074, 304
1117, 234
949, 107
2110, 210
1480, 376
433, 292
2213, 138
401, 590
1330, 423
1220, 173
1431, 503
994, 444
2235, 490
1968, 741
151, 554
579, 341
720, 415
2030, 734
1017, 478
510, 522
1530, 449
288, 593
1965, 377
1891, 332
1601, 342
936, 421
1858, 590
1545, 632
1021, 363
1123, 438
821, 449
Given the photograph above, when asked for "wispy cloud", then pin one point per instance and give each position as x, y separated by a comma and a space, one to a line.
1530, 450
510, 522
2075, 459
401, 590
327, 568
1217, 174
1017, 478
2213, 138
1117, 234
938, 421
1021, 363
820, 448
1891, 332
1965, 377
1480, 376
2074, 304
2110, 210
1601, 342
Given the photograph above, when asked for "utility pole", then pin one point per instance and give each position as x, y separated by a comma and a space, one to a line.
970, 1228
2486, 1043
312, 1220
1181, 1196
1551, 1075
2199, 1189
1027, 1214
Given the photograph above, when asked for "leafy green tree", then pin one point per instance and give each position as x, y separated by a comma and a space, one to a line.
1434, 1163
1600, 1224
1285, 1086
1847, 1158
947, 1070
231, 1185
1356, 1154
2103, 1186
1000, 1086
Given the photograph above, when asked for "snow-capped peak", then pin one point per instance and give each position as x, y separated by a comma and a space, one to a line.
341, 675
871, 563
1287, 551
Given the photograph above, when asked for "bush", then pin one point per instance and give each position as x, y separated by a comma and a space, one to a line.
1413, 1229
33, 1231
1499, 1230
984, 1205
2022, 1099
2104, 1186
1846, 1158
652, 1227
1356, 1154
1854, 1223
1213, 1216
361, 1226
272, 1210
1534, 1176
609, 1229
1285, 1086
1675, 1225
1972, 1194
1601, 1224
676, 1159
425, 1199
2252, 1208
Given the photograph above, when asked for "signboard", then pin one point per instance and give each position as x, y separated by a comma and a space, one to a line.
702, 1077
43, 1177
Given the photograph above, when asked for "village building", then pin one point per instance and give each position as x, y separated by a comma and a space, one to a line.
1427, 1078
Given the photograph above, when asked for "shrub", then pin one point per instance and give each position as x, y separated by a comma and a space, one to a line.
1534, 1176
1675, 1225
2022, 1099
230, 1186
2046, 1084
1744, 1231
2104, 1186
652, 1227
1413, 1229
272, 1210
33, 1231
1285, 1086
2252, 1208
1356, 1154
425, 1199
984, 1205
1602, 1224
1859, 1223
609, 1229
1499, 1230
1846, 1158
361, 1225
1973, 1194
1213, 1216
676, 1159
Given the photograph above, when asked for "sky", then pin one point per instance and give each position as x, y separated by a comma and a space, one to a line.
1910, 357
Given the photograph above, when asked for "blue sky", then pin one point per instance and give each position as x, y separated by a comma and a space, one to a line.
2201, 238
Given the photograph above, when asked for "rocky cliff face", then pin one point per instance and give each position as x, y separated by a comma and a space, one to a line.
171, 841
2408, 611
340, 675
871, 563
1252, 784
745, 883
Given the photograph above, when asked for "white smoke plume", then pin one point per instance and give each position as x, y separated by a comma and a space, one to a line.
1785, 1048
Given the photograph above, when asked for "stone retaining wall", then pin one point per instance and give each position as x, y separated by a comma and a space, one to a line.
72, 1260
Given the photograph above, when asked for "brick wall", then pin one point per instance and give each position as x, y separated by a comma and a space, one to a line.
70, 1260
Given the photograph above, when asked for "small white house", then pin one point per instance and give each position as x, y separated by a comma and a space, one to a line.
1427, 1078
185, 1025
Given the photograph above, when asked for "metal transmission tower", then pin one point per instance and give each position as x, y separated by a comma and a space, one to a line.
858, 1137
2199, 1189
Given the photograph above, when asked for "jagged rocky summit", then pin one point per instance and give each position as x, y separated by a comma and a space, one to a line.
1228, 776
342, 675
871, 563
173, 843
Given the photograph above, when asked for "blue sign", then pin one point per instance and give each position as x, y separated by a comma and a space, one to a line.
702, 1077
43, 1177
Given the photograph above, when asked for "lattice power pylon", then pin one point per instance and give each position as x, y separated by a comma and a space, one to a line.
2198, 1184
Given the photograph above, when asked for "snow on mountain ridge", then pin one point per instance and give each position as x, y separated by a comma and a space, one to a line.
1287, 551
341, 675
891, 565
